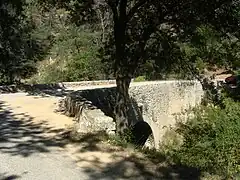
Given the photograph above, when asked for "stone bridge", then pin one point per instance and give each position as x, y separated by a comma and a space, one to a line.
160, 101
154, 102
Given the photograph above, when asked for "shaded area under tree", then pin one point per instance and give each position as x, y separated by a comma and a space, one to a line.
28, 137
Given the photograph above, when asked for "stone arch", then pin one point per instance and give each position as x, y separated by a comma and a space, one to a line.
141, 131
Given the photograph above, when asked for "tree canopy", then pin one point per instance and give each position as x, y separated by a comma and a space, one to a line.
155, 30
18, 50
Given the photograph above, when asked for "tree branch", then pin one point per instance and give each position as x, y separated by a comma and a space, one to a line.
147, 32
135, 8
113, 6
123, 9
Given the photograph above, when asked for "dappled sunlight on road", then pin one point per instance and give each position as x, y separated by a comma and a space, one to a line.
22, 135
30, 129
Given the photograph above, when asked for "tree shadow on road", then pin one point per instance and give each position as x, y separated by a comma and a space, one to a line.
38, 90
42, 90
20, 135
108, 161
134, 166
5, 176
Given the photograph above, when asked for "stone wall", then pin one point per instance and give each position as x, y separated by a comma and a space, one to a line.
161, 100
55, 86
154, 102
87, 83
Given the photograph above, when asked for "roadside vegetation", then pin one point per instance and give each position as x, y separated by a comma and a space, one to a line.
210, 140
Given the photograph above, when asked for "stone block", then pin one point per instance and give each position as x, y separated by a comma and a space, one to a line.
93, 120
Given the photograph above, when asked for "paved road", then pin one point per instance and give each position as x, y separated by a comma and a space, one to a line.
39, 167
29, 146
33, 148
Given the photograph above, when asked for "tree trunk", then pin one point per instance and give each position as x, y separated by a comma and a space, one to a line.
10, 77
122, 104
121, 66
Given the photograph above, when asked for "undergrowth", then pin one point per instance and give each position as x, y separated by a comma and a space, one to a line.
211, 139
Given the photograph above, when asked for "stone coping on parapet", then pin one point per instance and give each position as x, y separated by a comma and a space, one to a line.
80, 85
112, 83
87, 85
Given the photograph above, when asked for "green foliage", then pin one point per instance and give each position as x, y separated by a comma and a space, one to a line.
211, 139
181, 48
160, 31
84, 66
72, 49
208, 49
187, 58
140, 79
74, 58
171, 141
53, 75
126, 140
81, 11
19, 50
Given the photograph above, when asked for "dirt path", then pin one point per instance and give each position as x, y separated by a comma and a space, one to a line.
31, 127
40, 108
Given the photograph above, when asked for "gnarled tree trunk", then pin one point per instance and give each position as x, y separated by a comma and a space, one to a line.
122, 104
121, 64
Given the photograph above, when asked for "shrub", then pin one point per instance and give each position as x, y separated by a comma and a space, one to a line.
211, 139
140, 79
53, 74
84, 66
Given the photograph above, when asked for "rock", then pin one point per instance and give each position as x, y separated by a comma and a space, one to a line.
93, 120
89, 113
60, 105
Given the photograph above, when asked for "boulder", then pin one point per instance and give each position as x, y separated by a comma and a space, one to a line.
93, 120
87, 116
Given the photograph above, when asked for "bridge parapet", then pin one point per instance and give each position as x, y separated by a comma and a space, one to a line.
155, 102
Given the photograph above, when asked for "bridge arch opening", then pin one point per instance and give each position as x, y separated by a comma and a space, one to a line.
141, 132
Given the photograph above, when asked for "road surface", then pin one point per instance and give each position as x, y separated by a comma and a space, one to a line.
28, 146
33, 146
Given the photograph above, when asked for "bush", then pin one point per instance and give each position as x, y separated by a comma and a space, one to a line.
211, 139
140, 79
84, 66
53, 75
